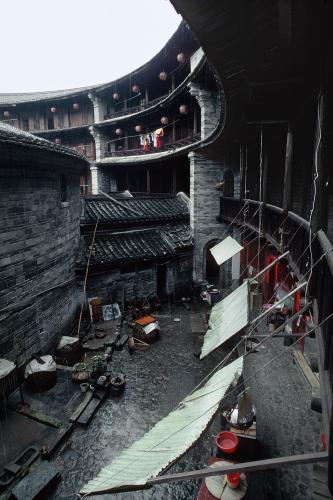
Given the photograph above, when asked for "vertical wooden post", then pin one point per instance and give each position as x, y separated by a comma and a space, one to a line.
174, 180
195, 120
148, 180
287, 171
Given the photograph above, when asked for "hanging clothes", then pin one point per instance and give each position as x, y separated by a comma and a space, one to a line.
159, 133
146, 143
142, 140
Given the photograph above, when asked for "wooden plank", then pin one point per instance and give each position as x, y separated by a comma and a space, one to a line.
320, 473
39, 417
270, 463
38, 483
77, 412
89, 411
321, 489
306, 369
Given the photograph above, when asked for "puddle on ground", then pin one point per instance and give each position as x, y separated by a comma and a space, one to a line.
157, 379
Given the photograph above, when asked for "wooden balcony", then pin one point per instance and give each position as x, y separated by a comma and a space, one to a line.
289, 231
167, 146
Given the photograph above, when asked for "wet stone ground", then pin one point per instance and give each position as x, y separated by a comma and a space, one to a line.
286, 425
157, 379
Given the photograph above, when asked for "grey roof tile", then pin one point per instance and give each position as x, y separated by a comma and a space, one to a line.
135, 246
168, 208
15, 136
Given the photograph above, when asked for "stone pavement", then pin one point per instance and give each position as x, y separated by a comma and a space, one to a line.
286, 425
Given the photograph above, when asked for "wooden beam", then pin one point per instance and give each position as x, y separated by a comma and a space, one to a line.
270, 463
287, 171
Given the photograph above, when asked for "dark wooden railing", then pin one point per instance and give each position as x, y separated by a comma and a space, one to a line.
167, 146
180, 75
289, 231
135, 109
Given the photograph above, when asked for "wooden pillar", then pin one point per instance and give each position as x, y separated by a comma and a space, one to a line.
174, 180
173, 130
195, 120
264, 174
127, 180
126, 140
148, 180
147, 96
173, 82
286, 204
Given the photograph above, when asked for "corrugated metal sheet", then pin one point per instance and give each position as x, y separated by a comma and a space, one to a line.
168, 440
227, 318
151, 327
225, 250
6, 367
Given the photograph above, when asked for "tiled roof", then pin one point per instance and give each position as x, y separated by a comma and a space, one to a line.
135, 246
109, 212
17, 137
19, 98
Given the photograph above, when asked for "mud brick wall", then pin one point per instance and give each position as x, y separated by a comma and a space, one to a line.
179, 276
119, 285
38, 243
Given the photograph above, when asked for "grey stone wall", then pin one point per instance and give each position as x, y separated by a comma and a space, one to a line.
138, 283
205, 206
179, 277
38, 241
210, 106
121, 286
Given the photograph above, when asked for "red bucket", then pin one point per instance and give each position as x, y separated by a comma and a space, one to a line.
227, 442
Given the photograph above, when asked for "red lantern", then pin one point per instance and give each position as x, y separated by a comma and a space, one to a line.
135, 89
163, 76
138, 128
76, 106
164, 120
116, 96
119, 131
53, 110
57, 140
6, 114
183, 109
181, 57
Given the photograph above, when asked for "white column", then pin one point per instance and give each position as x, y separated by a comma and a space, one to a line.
94, 179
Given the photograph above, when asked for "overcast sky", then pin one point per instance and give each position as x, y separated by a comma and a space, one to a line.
56, 44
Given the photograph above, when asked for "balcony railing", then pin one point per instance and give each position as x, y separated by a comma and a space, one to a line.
135, 109
167, 146
181, 74
86, 150
289, 231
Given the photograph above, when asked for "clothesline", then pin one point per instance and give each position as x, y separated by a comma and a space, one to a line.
138, 135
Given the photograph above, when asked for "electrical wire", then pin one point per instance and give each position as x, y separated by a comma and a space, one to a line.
252, 377
315, 178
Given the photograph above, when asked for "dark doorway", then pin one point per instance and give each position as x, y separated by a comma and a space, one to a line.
161, 276
212, 269
50, 123
228, 189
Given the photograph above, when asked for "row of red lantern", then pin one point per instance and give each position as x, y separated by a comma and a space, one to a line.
76, 106
116, 95
181, 58
164, 121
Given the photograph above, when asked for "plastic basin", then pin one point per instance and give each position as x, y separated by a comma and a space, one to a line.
227, 442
